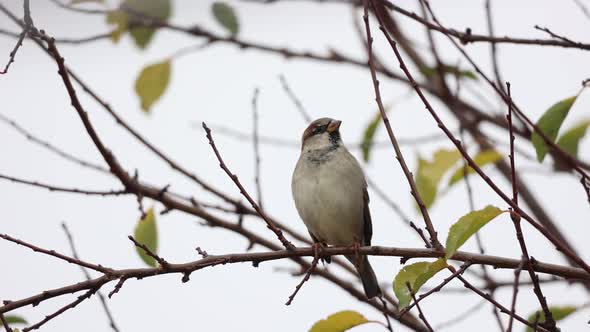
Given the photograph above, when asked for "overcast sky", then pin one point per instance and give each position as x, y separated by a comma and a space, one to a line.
215, 85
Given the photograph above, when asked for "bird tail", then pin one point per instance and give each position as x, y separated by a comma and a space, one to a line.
367, 275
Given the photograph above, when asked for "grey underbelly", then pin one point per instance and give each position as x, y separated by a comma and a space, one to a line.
332, 210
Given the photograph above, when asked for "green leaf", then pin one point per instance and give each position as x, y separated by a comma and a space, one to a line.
13, 319
429, 173
226, 16
416, 274
156, 9
481, 159
558, 313
339, 322
369, 135
152, 82
570, 140
549, 124
430, 71
467, 225
146, 233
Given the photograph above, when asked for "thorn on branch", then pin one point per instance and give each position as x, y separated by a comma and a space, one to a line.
202, 252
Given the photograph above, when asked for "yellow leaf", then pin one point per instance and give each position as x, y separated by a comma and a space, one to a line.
558, 313
481, 159
152, 83
429, 173
146, 233
339, 322
119, 19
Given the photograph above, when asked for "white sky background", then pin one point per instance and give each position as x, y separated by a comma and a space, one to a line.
215, 85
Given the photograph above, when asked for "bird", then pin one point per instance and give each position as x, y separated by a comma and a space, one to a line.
330, 194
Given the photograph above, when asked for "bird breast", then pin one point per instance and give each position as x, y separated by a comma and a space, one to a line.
328, 194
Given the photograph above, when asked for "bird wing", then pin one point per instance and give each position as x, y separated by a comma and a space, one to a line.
367, 221
368, 224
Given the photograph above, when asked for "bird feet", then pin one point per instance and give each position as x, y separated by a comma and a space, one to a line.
317, 249
356, 247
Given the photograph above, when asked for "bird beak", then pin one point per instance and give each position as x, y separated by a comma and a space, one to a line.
333, 126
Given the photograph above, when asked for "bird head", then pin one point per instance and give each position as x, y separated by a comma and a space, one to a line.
322, 133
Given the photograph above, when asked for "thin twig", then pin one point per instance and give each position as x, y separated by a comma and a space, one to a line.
486, 276
493, 46
387, 320
63, 309
583, 8
460, 317
514, 294
45, 144
308, 273
549, 321
256, 146
149, 252
5, 323
511, 155
101, 297
95, 267
499, 306
66, 190
269, 223
28, 26
296, 101
420, 313
554, 35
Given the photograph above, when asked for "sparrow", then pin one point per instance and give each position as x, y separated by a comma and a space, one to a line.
330, 194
